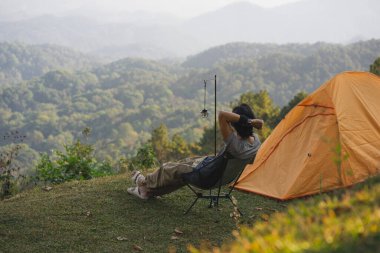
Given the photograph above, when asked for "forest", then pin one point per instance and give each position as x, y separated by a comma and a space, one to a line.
50, 94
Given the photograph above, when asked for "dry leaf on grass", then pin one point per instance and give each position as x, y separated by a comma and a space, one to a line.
121, 238
88, 214
47, 188
137, 247
174, 237
178, 232
235, 214
259, 208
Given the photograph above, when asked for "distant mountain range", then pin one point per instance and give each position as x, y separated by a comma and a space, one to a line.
160, 36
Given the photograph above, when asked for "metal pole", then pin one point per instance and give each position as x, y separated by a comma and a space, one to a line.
215, 117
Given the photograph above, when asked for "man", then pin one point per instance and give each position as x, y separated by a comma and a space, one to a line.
236, 128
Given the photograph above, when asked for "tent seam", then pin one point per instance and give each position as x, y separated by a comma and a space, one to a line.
287, 133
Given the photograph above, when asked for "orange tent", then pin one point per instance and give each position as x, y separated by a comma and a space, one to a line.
330, 140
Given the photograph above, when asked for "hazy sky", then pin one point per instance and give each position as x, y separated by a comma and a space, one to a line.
184, 8
181, 8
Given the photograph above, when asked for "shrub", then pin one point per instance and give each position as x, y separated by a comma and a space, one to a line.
144, 159
47, 171
76, 162
101, 169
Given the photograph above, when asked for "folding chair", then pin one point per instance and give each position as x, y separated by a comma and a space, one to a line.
231, 173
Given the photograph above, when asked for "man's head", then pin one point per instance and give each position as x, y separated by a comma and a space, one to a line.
243, 131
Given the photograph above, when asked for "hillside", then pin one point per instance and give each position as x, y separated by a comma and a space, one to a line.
20, 62
122, 102
283, 70
359, 52
98, 216
90, 216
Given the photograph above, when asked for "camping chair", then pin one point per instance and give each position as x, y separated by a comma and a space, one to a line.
230, 175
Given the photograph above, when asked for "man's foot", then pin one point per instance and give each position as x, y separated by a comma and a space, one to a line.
138, 178
137, 192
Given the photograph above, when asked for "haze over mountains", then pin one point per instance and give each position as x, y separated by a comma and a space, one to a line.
160, 35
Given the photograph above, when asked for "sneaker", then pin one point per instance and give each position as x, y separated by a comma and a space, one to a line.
138, 178
135, 191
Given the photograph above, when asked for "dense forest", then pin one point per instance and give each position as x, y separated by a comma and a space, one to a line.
19, 62
51, 94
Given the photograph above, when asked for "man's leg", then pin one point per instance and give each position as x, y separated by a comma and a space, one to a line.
168, 177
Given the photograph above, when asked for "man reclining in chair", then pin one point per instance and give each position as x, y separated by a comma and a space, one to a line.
236, 128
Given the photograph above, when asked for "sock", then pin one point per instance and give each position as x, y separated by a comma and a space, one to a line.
140, 180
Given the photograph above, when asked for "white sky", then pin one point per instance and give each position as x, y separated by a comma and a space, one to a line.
180, 8
184, 8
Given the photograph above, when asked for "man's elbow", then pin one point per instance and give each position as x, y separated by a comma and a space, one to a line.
220, 115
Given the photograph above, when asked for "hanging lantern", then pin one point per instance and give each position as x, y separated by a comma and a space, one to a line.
204, 112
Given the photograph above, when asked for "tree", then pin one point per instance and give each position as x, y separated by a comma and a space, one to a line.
207, 142
375, 67
161, 143
144, 159
179, 148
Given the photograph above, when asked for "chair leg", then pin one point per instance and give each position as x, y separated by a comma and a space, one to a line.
191, 206
212, 203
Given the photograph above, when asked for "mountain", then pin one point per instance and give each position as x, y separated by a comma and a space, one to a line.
19, 62
90, 36
362, 52
337, 21
123, 101
155, 35
282, 70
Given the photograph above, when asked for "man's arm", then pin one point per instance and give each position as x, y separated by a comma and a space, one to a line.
225, 118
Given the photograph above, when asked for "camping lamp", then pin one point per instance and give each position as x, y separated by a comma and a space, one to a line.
204, 112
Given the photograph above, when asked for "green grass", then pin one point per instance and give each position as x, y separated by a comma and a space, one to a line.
89, 216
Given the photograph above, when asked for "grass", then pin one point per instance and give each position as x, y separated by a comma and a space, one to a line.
89, 216
342, 221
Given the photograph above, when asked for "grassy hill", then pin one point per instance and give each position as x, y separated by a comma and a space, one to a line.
99, 216
89, 216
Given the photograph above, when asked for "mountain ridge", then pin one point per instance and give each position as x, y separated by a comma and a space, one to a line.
309, 21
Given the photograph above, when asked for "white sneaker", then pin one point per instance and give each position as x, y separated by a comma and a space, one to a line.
138, 178
135, 191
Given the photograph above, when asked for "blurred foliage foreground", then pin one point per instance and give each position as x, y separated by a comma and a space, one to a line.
330, 223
